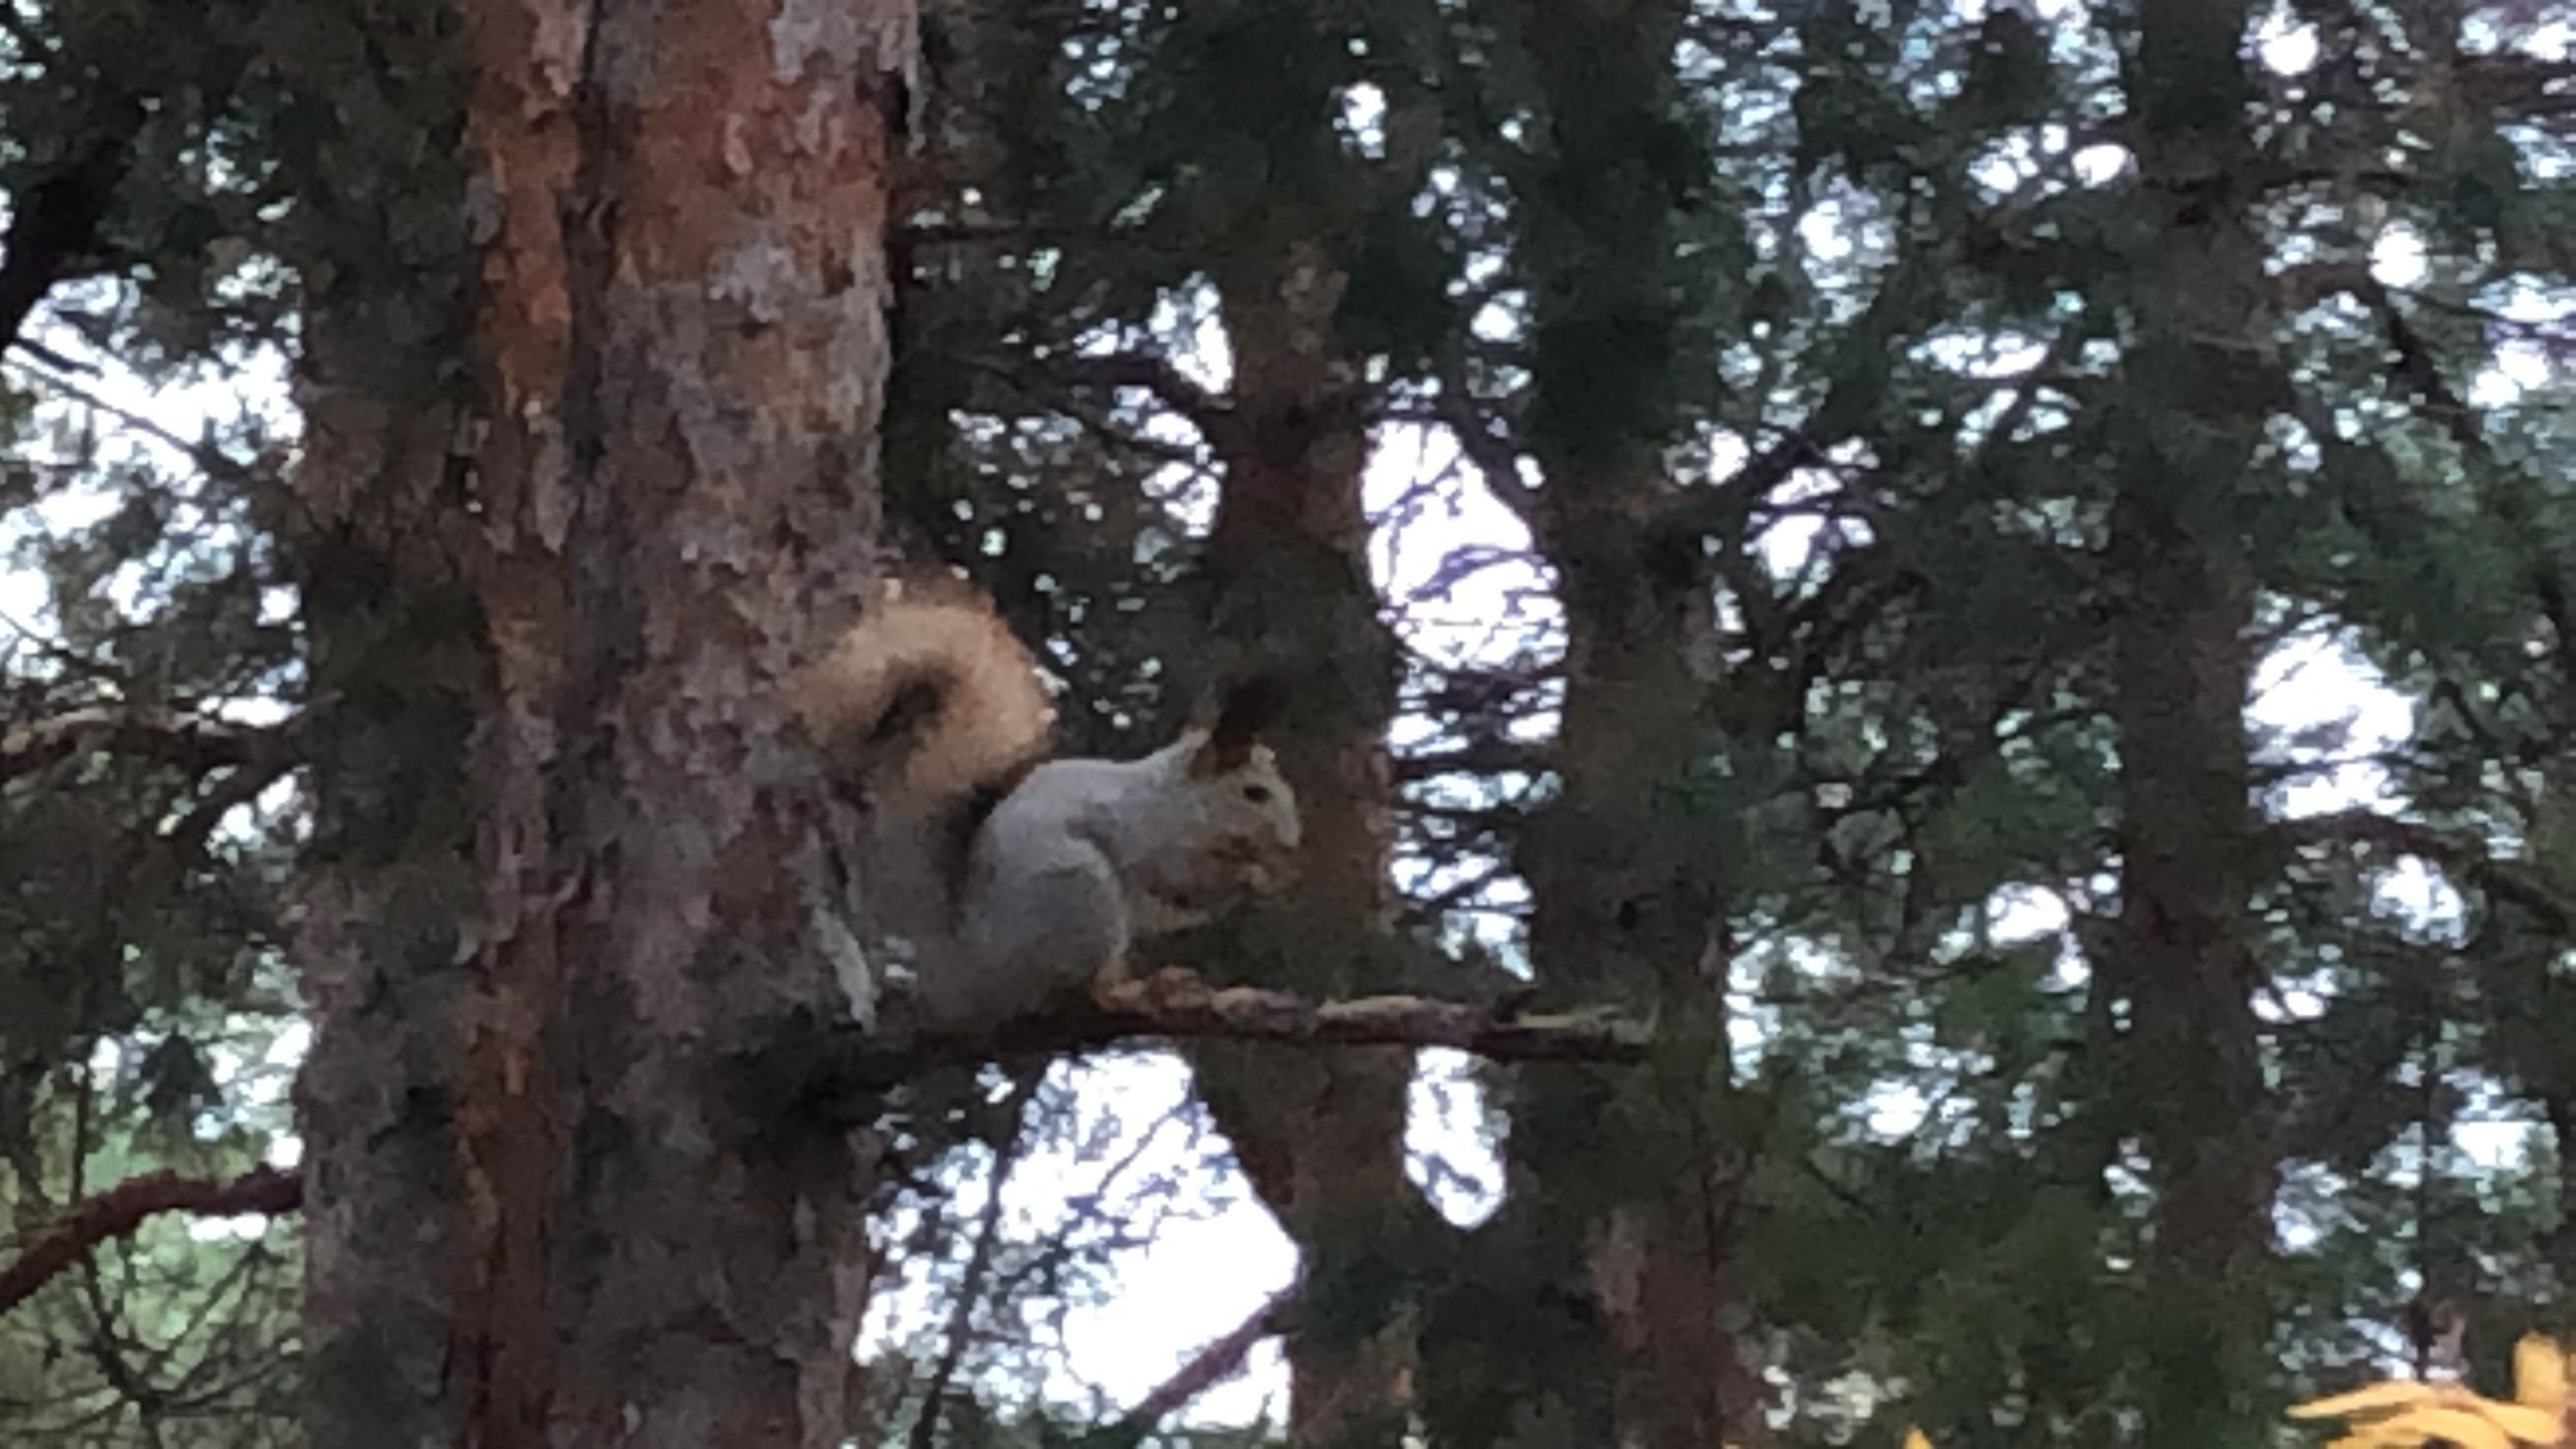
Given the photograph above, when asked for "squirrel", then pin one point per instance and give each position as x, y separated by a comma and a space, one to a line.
1018, 880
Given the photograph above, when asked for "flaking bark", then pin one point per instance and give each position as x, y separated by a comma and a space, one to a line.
532, 1207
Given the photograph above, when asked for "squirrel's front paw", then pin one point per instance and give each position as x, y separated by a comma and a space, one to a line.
1174, 988
1113, 987
1178, 988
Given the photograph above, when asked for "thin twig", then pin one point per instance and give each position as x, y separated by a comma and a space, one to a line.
193, 742
1206, 1369
212, 461
979, 1262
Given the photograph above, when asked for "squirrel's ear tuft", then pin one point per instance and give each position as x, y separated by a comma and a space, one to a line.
1244, 709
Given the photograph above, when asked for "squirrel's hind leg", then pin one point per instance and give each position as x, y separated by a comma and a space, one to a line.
1035, 940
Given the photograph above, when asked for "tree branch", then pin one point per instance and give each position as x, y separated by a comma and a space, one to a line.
55, 232
841, 1065
2419, 370
1156, 375
1478, 756
119, 1210
839, 1068
192, 742
1211, 413
243, 786
2470, 863
210, 460
971, 1284
1206, 1369
1010, 375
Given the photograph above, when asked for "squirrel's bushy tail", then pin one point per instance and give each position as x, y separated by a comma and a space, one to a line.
929, 692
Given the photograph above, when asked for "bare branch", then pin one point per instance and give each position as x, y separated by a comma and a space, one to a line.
1175, 1003
1211, 413
2308, 283
2469, 862
1206, 1369
1156, 375
243, 786
1482, 756
838, 1068
119, 1210
192, 742
210, 460
1012, 376
2518, 85
972, 1283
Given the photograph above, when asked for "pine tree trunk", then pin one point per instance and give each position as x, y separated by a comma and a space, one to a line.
565, 859
2196, 390
1320, 1135
1627, 1185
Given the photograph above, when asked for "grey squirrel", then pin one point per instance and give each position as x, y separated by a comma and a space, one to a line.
1015, 879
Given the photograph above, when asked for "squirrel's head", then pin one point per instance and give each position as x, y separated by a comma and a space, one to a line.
1243, 800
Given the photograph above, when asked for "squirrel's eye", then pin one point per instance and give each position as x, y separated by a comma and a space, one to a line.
1257, 794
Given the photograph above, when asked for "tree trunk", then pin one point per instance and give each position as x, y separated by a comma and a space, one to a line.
2196, 392
1320, 1135
568, 858
1629, 1184
1628, 1187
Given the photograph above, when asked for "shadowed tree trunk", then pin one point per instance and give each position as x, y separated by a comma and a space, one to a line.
2197, 391
1625, 1187
1629, 1183
1320, 1135
566, 860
